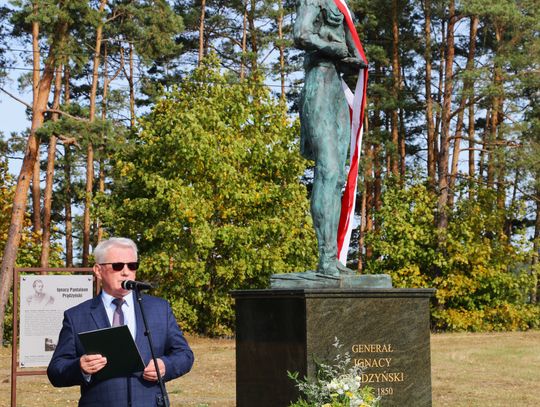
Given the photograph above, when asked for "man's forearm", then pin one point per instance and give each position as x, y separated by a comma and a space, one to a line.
65, 372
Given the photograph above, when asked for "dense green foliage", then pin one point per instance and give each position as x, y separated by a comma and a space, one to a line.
210, 191
484, 282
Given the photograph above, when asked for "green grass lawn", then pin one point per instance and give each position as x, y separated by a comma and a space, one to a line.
468, 370
497, 369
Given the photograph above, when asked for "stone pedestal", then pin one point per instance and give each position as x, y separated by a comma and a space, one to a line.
384, 330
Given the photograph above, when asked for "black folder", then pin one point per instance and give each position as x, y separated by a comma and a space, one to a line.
117, 345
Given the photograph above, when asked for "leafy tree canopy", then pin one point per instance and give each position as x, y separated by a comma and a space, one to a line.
480, 285
211, 193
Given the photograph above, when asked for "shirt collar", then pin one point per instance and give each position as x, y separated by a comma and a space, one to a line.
108, 299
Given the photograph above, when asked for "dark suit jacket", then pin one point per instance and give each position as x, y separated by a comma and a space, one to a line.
169, 345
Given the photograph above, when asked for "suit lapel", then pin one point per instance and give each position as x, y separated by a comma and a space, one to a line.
97, 311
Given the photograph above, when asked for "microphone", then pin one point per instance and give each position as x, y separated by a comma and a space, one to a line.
135, 285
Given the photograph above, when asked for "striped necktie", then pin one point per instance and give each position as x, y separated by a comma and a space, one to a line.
118, 316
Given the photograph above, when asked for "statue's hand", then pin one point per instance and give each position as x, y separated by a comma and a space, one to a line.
354, 63
341, 50
350, 65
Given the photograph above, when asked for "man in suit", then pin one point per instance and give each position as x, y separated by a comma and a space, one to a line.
116, 261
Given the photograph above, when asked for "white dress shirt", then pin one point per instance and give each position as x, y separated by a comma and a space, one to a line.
128, 309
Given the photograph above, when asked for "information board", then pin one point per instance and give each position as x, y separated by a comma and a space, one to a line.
43, 300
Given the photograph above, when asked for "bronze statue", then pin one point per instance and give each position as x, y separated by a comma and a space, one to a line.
320, 30
332, 53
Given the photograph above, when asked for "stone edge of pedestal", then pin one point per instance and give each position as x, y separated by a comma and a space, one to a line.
333, 292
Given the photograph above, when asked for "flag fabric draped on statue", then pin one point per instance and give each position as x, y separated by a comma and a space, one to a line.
356, 103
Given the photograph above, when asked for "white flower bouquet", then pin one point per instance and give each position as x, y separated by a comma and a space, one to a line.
337, 385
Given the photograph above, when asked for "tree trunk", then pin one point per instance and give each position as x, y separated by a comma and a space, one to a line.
455, 152
431, 150
402, 148
367, 206
470, 130
131, 83
377, 182
378, 163
471, 134
36, 57
67, 178
47, 197
281, 50
484, 149
36, 194
201, 32
23, 183
496, 131
87, 203
467, 94
101, 177
396, 80
442, 203
439, 99
67, 206
244, 43
36, 189
363, 208
362, 234
253, 38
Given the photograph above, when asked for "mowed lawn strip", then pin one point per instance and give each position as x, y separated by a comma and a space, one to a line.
490, 369
468, 370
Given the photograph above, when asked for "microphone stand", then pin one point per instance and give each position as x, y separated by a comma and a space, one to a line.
148, 335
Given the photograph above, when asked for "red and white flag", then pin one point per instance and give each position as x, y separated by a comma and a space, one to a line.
357, 102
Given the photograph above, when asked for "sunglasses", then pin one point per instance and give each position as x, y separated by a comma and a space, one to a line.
120, 266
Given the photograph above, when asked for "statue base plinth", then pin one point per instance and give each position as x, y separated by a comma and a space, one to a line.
385, 331
312, 279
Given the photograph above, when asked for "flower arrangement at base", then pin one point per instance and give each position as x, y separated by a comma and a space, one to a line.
337, 385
